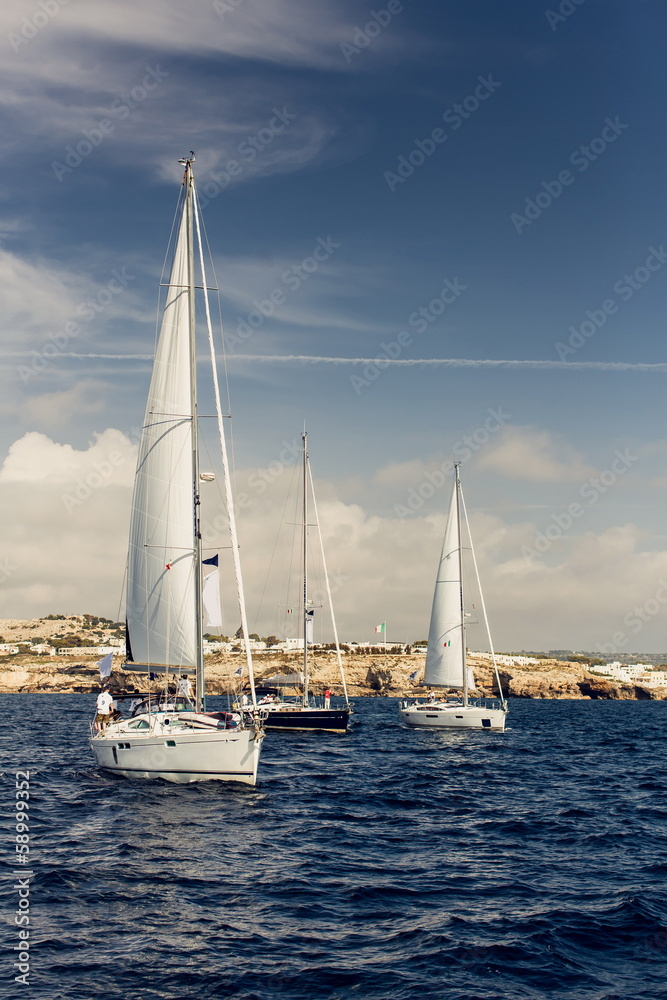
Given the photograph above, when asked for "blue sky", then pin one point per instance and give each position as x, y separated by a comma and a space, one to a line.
532, 150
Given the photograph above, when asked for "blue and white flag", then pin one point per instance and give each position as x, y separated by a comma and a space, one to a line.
105, 665
237, 673
213, 561
413, 675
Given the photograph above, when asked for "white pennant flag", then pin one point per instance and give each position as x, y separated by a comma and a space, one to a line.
105, 665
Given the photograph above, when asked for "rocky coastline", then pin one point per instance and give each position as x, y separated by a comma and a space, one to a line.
366, 676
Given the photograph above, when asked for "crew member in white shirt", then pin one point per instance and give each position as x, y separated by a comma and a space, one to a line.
184, 688
105, 709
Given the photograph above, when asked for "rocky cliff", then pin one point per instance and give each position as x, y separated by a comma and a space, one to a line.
366, 675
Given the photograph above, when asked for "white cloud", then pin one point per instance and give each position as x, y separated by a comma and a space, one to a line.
534, 455
407, 474
65, 513
55, 409
65, 518
38, 460
581, 597
84, 65
285, 32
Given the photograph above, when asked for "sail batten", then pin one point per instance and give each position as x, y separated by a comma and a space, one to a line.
161, 618
444, 654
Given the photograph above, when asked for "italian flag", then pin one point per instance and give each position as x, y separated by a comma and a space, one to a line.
381, 628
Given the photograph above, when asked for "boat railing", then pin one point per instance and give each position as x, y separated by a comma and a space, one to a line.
488, 703
495, 703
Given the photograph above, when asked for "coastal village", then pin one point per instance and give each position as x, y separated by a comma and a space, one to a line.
59, 654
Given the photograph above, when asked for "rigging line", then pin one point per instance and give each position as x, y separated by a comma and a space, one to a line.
225, 366
167, 258
218, 487
326, 580
225, 464
294, 546
481, 597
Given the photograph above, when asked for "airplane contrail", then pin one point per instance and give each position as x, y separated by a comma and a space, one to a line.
455, 362
381, 363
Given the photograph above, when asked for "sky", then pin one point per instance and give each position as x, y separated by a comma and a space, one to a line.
458, 208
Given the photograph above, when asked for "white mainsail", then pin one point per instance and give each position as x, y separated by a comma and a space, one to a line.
444, 661
161, 563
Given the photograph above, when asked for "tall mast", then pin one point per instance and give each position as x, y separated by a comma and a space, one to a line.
328, 586
188, 181
464, 665
304, 437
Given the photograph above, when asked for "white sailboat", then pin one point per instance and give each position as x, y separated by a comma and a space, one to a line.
446, 661
164, 575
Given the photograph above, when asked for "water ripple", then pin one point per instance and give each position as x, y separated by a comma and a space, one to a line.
387, 864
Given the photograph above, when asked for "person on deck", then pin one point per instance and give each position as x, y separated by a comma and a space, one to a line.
105, 709
327, 698
184, 688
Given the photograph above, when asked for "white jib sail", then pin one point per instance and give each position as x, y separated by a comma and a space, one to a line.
443, 657
160, 584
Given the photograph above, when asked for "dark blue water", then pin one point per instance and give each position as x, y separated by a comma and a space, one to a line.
387, 864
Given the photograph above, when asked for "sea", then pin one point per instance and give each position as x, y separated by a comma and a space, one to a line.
385, 864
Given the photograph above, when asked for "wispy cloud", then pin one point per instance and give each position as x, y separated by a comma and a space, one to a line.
534, 455
292, 33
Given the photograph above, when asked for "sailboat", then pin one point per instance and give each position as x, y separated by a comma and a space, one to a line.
446, 659
164, 592
302, 712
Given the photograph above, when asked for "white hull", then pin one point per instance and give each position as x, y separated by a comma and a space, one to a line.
179, 753
443, 715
